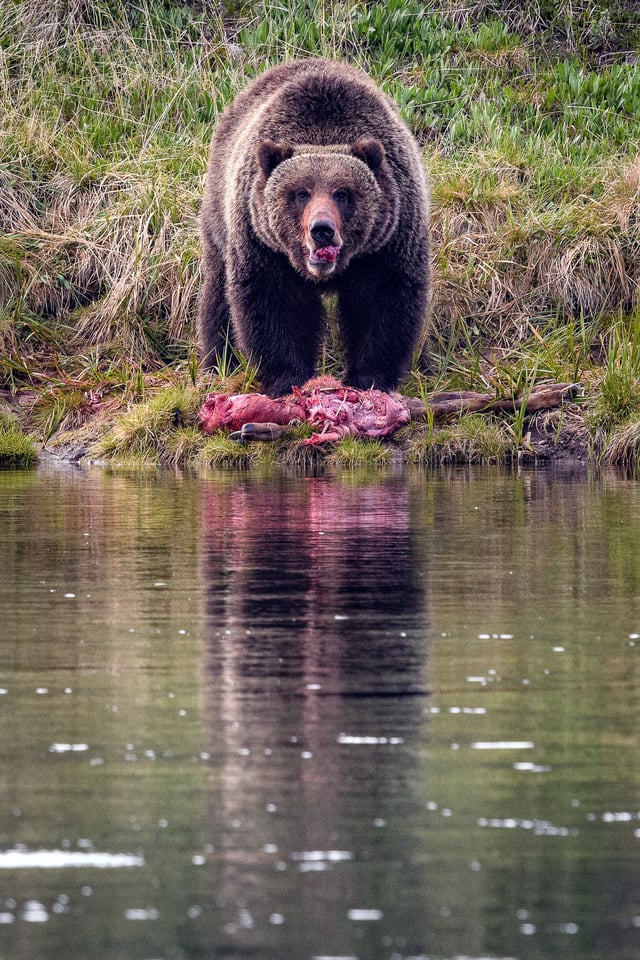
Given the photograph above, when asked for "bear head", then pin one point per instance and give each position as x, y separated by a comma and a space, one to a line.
323, 206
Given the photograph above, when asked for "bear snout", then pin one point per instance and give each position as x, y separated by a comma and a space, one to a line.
321, 222
323, 232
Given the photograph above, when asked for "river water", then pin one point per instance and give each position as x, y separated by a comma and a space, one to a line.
375, 716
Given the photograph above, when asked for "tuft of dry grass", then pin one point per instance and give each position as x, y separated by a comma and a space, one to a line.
622, 448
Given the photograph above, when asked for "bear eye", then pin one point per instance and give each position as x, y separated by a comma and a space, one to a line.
302, 195
341, 196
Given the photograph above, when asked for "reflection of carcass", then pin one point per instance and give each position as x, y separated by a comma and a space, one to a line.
336, 411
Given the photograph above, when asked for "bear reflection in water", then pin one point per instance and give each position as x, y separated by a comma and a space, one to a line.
321, 573
316, 641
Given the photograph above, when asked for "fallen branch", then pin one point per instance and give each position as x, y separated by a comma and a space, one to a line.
542, 396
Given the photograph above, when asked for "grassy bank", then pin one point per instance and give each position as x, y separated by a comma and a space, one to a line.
530, 125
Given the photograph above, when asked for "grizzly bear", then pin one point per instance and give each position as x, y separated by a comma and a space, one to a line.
315, 185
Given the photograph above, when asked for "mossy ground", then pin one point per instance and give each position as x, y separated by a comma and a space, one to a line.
529, 121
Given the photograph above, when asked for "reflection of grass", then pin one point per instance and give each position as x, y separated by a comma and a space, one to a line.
529, 131
16, 449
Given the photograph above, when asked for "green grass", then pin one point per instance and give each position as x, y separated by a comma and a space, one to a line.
529, 118
613, 414
220, 451
354, 452
471, 439
619, 388
161, 429
16, 449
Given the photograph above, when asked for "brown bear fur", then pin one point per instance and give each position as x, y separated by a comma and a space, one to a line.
314, 185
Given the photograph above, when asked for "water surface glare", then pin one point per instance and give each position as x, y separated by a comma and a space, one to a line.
386, 716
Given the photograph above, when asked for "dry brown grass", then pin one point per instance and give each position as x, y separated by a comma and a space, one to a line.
501, 260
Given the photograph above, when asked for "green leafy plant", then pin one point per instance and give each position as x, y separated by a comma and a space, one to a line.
618, 397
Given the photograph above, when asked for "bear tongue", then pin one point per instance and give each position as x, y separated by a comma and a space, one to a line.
328, 254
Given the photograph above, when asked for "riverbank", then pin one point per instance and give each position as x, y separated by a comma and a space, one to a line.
164, 431
530, 133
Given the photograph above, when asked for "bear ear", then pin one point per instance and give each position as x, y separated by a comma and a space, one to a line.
270, 154
370, 152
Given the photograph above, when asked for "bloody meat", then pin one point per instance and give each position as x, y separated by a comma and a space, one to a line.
334, 410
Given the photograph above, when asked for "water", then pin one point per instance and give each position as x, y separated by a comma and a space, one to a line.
379, 717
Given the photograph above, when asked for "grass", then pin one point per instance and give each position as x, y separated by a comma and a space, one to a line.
16, 449
623, 448
528, 119
471, 439
614, 413
354, 452
619, 388
160, 430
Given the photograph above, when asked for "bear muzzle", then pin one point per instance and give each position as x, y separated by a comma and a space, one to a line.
321, 229
324, 244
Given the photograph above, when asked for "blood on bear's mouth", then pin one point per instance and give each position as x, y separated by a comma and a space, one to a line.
328, 254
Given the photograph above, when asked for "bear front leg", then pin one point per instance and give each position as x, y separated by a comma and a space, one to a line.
214, 317
381, 313
277, 318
